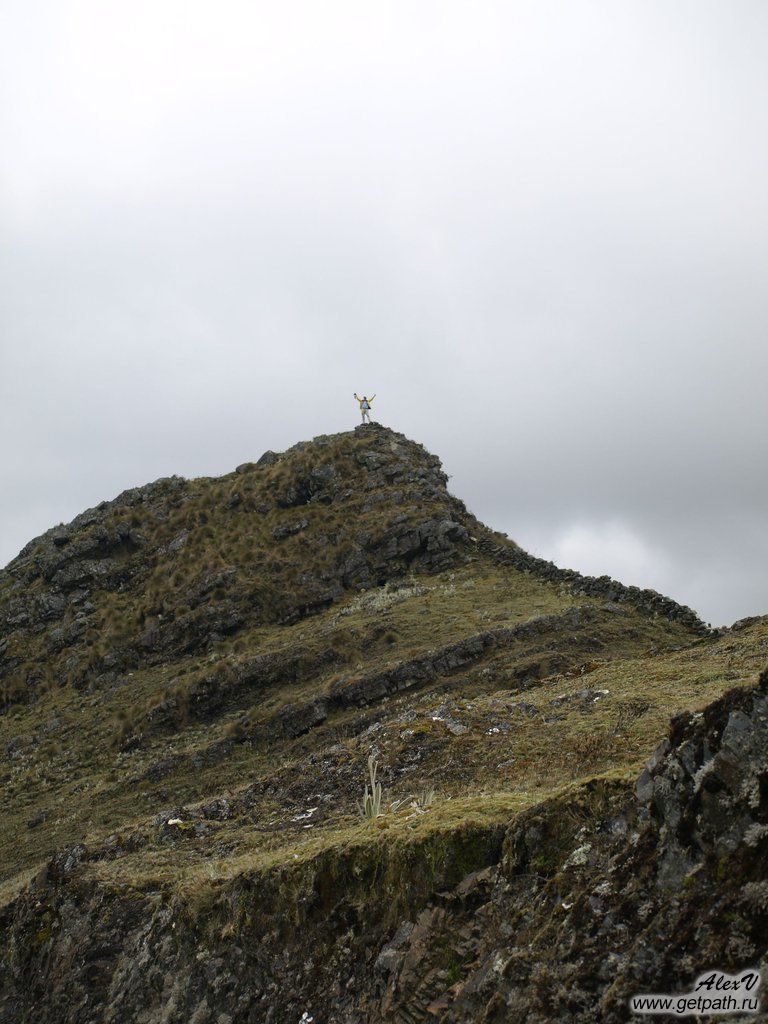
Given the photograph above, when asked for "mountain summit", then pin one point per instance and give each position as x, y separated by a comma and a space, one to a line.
193, 679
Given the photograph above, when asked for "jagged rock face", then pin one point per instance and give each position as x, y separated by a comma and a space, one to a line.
624, 896
192, 678
644, 893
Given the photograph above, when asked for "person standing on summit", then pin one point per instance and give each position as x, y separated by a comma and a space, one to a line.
365, 406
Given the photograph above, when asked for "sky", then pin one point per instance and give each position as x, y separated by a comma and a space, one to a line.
537, 230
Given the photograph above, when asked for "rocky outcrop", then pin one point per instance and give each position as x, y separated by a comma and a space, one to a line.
358, 692
650, 602
81, 954
86, 539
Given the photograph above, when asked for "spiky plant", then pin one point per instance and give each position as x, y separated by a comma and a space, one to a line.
371, 803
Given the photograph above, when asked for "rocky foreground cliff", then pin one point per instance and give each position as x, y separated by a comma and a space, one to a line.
193, 677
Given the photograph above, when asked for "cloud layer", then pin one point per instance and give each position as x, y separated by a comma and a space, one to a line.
538, 230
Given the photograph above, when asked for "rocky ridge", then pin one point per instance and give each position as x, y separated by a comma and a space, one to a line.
193, 677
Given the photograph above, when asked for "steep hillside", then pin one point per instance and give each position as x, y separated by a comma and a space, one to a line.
193, 677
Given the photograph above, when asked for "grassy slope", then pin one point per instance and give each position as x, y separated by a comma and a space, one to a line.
490, 736
481, 776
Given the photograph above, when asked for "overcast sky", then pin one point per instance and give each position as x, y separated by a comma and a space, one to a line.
538, 230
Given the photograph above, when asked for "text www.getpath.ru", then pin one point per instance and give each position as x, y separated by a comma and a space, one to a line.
713, 993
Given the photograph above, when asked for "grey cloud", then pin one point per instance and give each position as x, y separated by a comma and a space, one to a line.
537, 230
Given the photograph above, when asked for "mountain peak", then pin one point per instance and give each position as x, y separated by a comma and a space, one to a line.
173, 567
